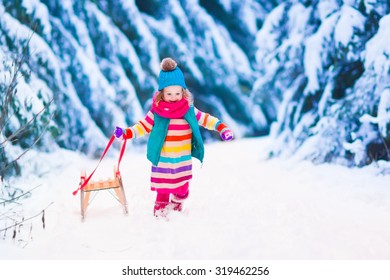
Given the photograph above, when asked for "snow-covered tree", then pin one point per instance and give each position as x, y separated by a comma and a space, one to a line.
324, 68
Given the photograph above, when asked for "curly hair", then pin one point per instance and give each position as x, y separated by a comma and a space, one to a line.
186, 95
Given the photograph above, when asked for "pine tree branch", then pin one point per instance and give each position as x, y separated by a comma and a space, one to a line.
26, 150
24, 127
11, 90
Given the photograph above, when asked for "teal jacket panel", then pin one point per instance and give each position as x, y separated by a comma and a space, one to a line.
159, 133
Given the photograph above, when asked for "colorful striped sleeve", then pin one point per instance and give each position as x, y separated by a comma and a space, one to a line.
141, 128
206, 120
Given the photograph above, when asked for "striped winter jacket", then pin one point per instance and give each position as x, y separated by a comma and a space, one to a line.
174, 168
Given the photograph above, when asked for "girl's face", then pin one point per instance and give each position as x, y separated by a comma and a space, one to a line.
173, 94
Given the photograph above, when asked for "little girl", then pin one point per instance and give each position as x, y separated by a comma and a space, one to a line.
173, 124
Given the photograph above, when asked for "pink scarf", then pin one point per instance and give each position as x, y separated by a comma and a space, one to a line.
169, 110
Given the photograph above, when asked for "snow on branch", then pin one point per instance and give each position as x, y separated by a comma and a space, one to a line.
383, 117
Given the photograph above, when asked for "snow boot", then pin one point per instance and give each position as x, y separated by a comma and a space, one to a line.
177, 201
177, 206
160, 209
160, 206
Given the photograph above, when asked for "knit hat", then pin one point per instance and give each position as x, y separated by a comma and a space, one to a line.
170, 74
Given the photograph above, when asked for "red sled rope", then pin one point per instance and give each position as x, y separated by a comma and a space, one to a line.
101, 158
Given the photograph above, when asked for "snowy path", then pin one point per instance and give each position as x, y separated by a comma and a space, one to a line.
240, 207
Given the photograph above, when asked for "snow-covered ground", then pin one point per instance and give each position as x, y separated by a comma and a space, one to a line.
241, 206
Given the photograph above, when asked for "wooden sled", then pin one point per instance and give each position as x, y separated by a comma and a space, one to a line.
114, 184
86, 187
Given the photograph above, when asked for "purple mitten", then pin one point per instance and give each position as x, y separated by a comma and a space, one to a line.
226, 134
118, 132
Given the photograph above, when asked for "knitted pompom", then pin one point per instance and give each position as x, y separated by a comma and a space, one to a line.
168, 64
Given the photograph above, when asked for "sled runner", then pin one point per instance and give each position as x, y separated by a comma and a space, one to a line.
113, 185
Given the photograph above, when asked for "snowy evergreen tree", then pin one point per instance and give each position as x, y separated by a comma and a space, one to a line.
320, 74
101, 60
313, 74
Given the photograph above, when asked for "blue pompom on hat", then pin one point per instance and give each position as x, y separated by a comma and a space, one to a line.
170, 74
